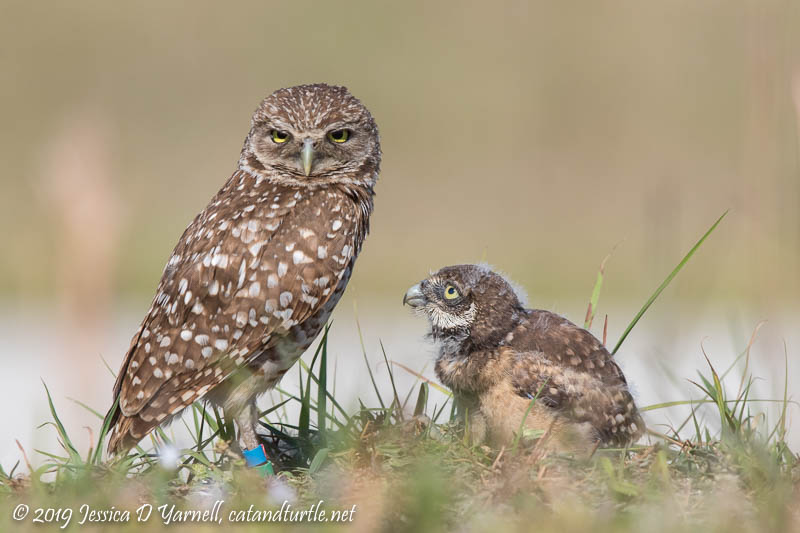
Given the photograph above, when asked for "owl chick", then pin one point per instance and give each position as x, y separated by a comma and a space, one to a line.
497, 356
257, 273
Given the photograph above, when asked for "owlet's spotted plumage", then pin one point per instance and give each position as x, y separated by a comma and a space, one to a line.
496, 356
257, 273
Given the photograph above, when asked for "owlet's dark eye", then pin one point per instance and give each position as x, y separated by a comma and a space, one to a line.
279, 136
451, 293
339, 136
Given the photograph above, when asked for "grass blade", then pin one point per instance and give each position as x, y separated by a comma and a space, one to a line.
433, 384
78, 402
438, 413
675, 403
328, 394
422, 399
398, 407
319, 459
598, 284
322, 388
274, 408
304, 424
62, 432
103, 432
666, 282
366, 360
525, 416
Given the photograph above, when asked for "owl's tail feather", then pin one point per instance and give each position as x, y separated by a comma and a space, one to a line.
125, 432
613, 414
120, 440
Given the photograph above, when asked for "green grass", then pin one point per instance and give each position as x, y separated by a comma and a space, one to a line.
407, 466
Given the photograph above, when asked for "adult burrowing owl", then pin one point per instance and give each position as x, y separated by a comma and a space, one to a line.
257, 273
496, 355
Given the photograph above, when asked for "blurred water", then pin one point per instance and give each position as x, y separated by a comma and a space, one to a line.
661, 352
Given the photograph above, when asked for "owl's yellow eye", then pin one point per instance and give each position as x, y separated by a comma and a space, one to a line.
279, 136
451, 293
339, 136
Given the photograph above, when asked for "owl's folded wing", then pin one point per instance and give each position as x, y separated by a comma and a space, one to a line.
569, 370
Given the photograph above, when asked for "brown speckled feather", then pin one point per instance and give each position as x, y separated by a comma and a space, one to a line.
256, 274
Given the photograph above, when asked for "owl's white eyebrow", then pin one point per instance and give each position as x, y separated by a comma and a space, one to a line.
277, 125
341, 125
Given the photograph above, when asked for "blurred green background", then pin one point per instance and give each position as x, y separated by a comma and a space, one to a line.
534, 135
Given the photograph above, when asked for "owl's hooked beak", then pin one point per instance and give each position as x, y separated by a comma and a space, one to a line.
307, 156
414, 297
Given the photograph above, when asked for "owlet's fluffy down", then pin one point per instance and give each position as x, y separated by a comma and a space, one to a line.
497, 356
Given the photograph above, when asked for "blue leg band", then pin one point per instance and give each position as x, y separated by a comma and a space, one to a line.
257, 458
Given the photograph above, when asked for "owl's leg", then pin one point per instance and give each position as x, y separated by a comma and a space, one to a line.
253, 450
477, 428
247, 421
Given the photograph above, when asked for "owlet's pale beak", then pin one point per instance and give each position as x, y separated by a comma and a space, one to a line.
414, 297
307, 156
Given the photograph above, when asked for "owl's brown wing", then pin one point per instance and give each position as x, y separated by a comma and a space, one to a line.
572, 371
217, 307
